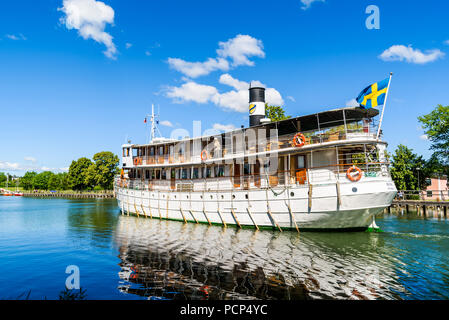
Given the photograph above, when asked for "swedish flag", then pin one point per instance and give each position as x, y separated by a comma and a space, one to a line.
373, 95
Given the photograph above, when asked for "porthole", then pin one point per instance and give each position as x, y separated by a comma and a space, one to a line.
292, 194
222, 196
201, 197
211, 196
246, 196
354, 189
187, 197
175, 196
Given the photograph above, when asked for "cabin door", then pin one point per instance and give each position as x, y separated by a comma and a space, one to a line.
173, 179
257, 174
237, 175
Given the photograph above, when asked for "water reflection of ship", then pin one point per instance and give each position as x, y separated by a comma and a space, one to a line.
170, 260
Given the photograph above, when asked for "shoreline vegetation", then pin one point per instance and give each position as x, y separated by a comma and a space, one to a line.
84, 177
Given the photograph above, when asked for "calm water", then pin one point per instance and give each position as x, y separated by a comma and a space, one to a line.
122, 257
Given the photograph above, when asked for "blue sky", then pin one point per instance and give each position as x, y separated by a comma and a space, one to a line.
79, 76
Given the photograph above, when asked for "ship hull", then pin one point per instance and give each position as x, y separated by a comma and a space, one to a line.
331, 207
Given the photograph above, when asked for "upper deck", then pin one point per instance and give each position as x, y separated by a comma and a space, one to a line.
339, 126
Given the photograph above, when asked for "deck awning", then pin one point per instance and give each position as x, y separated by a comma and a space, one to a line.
323, 120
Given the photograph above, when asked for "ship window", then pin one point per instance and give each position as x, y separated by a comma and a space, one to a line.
219, 171
152, 152
195, 173
164, 174
152, 175
158, 174
147, 174
429, 193
206, 172
173, 173
161, 151
301, 164
185, 174
246, 169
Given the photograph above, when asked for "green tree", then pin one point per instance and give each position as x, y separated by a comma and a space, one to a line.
41, 180
77, 173
64, 181
275, 113
436, 127
27, 181
2, 179
54, 182
103, 170
404, 169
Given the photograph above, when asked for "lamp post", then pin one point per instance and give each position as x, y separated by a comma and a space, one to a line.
419, 183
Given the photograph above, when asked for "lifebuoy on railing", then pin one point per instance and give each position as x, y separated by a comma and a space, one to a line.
203, 155
137, 161
299, 140
351, 176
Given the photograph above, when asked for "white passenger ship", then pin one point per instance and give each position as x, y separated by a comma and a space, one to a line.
324, 171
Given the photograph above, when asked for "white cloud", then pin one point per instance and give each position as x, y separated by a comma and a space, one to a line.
16, 37
291, 98
410, 55
228, 80
9, 166
192, 91
196, 69
352, 103
90, 17
235, 100
223, 127
240, 48
424, 137
166, 123
446, 42
147, 53
308, 3
128, 45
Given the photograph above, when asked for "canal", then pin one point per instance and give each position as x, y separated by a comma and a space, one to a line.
122, 257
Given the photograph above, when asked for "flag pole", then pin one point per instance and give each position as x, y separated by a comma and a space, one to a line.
383, 108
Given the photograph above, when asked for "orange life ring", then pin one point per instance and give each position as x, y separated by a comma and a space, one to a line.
137, 161
354, 178
203, 155
299, 140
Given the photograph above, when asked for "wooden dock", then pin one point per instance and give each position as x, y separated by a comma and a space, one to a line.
70, 195
421, 206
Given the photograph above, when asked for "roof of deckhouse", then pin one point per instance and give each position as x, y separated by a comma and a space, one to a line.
315, 121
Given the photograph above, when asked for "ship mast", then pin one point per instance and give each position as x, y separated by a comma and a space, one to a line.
154, 124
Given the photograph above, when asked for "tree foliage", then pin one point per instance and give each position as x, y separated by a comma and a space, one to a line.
436, 127
78, 172
3, 179
27, 181
275, 113
40, 181
103, 170
404, 170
